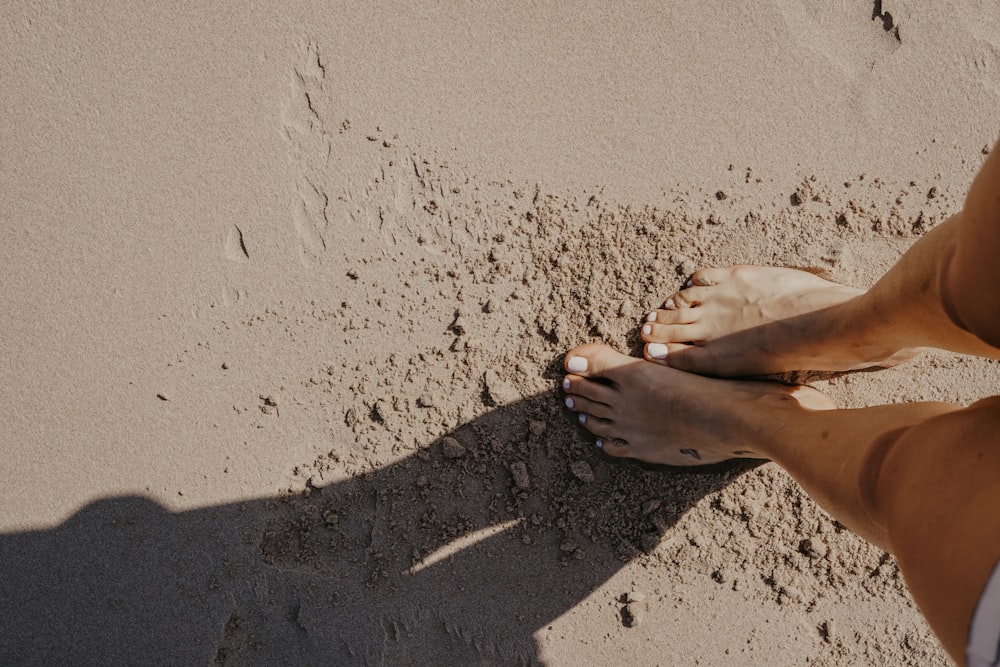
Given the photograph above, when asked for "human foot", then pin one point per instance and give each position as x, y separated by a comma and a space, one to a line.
661, 415
753, 320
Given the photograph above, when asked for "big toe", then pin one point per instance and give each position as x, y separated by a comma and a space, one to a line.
595, 360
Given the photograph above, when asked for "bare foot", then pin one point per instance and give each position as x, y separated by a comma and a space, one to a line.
660, 415
753, 320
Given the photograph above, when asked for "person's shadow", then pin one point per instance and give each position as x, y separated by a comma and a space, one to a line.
455, 555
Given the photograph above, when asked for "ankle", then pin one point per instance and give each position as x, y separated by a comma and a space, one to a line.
780, 419
861, 329
768, 415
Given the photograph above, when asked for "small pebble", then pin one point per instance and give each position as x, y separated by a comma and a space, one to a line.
813, 548
634, 596
536, 427
519, 472
163, 397
650, 506
225, 366
826, 631
501, 392
452, 448
632, 615
792, 593
581, 470
649, 541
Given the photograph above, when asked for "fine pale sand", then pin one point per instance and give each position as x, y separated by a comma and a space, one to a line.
285, 294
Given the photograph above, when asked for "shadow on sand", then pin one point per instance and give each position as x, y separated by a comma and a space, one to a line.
435, 559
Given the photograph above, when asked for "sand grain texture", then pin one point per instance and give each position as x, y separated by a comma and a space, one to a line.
286, 296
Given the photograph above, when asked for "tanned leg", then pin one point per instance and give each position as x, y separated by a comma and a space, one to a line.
970, 279
750, 320
918, 480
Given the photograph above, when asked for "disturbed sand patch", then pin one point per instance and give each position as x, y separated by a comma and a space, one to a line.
437, 392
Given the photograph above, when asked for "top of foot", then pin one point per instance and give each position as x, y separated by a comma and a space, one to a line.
660, 415
752, 320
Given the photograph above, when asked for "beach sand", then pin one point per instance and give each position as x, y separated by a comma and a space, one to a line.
286, 293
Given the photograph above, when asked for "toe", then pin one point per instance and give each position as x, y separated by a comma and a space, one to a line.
675, 316
660, 352
710, 276
691, 358
691, 297
586, 406
665, 333
614, 447
602, 428
595, 360
595, 391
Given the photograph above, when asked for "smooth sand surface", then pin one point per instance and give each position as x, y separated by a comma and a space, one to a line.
285, 292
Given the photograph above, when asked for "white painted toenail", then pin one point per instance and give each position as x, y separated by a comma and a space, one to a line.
599, 443
577, 364
583, 418
670, 304
689, 283
569, 403
646, 329
566, 384
651, 317
657, 350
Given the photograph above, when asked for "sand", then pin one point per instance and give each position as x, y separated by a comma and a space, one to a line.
286, 294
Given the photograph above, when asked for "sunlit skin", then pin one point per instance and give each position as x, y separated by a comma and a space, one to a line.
870, 467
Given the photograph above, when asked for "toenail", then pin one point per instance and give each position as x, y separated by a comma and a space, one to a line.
657, 350
670, 304
646, 329
599, 443
689, 283
569, 403
566, 384
583, 418
651, 317
577, 364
